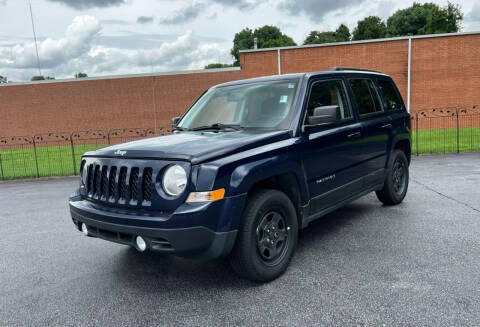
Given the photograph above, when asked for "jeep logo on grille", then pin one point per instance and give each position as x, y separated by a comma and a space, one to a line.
120, 152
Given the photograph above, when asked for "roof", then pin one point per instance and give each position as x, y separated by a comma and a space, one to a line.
84, 79
333, 71
413, 37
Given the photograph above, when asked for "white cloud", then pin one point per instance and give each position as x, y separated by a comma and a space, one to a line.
83, 4
185, 52
53, 52
183, 15
76, 52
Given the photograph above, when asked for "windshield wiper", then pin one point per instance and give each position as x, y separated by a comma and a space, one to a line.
217, 126
178, 128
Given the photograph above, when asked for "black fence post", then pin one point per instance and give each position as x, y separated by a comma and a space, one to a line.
1, 166
73, 155
416, 131
458, 132
36, 157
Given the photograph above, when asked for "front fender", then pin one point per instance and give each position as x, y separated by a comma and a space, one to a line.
239, 172
246, 175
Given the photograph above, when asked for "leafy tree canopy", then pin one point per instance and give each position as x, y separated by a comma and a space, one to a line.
267, 37
427, 18
342, 34
3, 79
80, 75
371, 27
218, 65
41, 78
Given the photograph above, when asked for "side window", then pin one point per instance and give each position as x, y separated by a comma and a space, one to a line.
391, 98
365, 96
329, 93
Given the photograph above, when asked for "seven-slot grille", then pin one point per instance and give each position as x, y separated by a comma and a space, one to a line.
121, 185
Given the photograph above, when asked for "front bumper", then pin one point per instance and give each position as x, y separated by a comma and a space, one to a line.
204, 230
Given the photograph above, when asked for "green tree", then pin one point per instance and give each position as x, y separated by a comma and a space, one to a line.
41, 78
3, 79
427, 18
371, 27
317, 37
342, 34
218, 65
80, 75
267, 37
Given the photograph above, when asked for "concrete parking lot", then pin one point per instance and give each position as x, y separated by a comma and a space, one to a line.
415, 264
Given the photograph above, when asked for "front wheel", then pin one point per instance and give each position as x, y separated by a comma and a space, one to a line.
266, 238
396, 182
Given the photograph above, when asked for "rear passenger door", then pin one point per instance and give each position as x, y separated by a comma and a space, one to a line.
376, 130
394, 106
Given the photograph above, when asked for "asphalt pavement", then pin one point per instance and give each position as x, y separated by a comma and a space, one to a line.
415, 264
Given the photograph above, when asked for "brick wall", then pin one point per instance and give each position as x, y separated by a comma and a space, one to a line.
102, 103
445, 72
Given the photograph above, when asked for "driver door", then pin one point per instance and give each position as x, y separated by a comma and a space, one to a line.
331, 156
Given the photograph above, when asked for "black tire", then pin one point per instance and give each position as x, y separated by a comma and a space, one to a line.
396, 182
262, 222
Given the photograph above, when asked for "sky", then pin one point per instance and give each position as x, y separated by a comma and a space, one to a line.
114, 37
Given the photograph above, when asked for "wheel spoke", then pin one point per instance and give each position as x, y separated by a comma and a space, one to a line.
281, 235
273, 250
276, 219
262, 247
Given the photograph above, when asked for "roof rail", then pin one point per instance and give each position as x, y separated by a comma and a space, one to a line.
352, 68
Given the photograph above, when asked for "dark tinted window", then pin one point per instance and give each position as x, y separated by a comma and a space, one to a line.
365, 96
391, 99
329, 93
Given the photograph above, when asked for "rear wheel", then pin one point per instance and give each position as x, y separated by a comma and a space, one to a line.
267, 236
396, 183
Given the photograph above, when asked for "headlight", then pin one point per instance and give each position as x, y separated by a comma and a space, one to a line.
174, 180
84, 174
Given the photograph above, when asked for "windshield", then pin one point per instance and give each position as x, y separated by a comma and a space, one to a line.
263, 104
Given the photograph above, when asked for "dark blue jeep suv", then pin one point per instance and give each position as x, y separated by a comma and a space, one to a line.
248, 165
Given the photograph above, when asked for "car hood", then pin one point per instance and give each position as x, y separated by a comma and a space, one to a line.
195, 147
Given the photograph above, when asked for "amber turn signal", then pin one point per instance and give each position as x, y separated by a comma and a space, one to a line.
208, 196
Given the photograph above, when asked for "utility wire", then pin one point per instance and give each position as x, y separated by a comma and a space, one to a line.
35, 38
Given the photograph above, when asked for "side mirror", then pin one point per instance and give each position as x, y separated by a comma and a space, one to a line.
325, 115
175, 121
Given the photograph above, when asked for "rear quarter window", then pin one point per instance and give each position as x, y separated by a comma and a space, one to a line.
391, 97
365, 96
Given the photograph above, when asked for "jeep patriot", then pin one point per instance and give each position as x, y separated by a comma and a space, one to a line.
247, 166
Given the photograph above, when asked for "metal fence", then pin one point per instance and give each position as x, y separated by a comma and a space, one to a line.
446, 130
438, 130
58, 153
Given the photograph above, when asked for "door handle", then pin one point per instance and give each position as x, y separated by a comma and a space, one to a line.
354, 135
387, 126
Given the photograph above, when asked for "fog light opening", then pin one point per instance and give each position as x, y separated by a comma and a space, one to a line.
84, 229
141, 245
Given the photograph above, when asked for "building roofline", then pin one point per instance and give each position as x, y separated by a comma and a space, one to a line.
399, 38
178, 72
